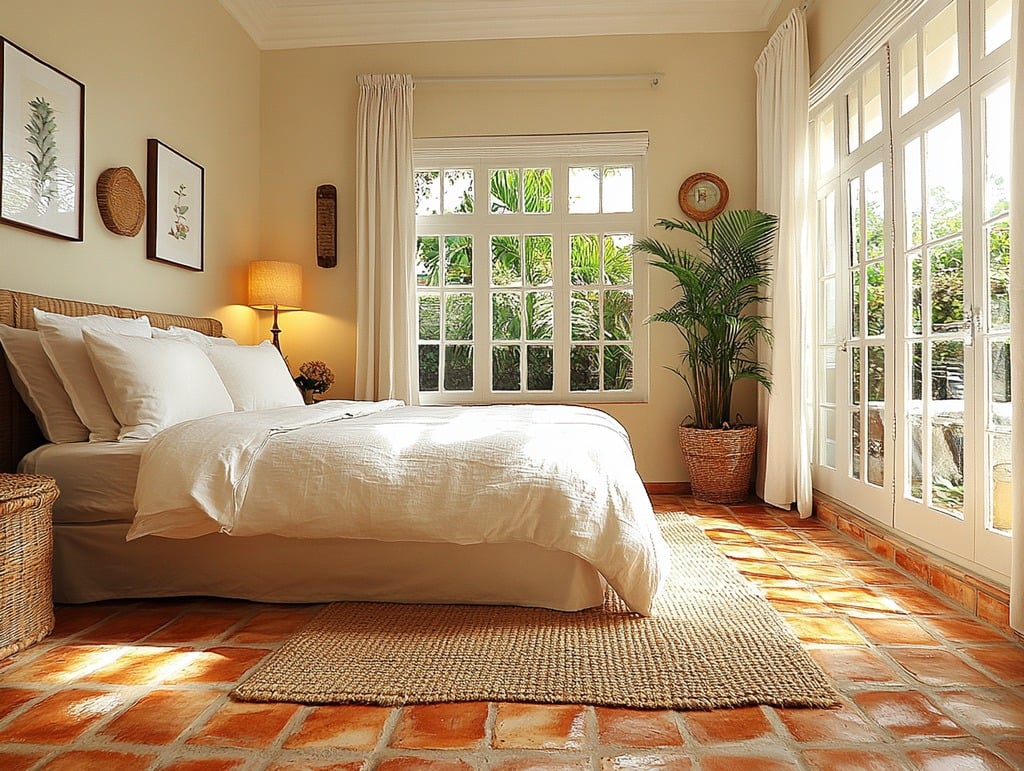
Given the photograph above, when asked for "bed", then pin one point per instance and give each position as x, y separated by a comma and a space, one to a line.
98, 556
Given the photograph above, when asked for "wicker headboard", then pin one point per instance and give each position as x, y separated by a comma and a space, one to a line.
18, 430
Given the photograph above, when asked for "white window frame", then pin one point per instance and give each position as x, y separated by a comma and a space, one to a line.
557, 152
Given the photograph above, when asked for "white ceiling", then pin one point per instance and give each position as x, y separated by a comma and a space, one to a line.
308, 23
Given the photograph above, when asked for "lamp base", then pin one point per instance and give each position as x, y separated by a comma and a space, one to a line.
276, 331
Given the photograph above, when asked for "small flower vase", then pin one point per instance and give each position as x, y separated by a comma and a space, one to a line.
307, 396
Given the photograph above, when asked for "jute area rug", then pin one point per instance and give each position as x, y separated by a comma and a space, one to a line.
715, 642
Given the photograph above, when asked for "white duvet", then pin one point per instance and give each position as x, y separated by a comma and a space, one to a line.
557, 476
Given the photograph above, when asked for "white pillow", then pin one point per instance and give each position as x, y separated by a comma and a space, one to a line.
62, 341
255, 375
191, 336
152, 384
37, 382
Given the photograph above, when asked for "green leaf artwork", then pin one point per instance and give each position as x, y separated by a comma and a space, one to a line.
42, 130
179, 228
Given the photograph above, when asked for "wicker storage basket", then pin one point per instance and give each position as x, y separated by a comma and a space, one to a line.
720, 462
26, 554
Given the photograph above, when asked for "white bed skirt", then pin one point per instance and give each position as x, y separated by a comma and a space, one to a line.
94, 562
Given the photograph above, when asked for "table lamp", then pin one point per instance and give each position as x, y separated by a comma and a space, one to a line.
275, 285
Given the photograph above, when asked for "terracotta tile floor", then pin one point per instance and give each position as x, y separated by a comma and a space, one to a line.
143, 685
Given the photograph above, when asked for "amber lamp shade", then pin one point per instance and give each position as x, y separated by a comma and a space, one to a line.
275, 286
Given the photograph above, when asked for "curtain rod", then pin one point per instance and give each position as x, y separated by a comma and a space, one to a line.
653, 77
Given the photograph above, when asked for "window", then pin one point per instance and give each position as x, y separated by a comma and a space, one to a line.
526, 282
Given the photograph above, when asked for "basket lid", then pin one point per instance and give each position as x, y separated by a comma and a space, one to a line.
14, 486
121, 202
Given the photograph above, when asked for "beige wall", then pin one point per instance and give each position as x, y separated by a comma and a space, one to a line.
829, 23
270, 127
700, 118
182, 72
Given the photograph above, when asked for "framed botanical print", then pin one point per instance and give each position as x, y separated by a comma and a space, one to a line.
175, 203
42, 112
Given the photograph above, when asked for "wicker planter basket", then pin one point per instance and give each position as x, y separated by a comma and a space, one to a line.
26, 554
720, 462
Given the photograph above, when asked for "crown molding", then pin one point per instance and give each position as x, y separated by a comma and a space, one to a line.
281, 24
254, 16
442, 149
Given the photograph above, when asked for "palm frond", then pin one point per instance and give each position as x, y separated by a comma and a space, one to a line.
718, 313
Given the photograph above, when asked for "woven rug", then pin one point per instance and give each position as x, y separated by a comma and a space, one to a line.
715, 642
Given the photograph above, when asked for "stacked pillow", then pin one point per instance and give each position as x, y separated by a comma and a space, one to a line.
151, 384
191, 336
103, 378
65, 348
36, 381
255, 375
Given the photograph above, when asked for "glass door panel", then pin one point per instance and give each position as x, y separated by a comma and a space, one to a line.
828, 339
997, 26
944, 485
862, 358
940, 50
994, 526
867, 326
938, 340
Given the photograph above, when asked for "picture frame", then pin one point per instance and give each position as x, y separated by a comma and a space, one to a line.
175, 207
42, 144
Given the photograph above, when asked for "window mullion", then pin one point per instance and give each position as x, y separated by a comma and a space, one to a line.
481, 283
560, 275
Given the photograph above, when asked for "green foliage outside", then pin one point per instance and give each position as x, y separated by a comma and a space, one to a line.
946, 283
946, 278
525, 262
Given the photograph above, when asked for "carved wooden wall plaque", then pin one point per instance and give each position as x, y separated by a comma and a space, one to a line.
326, 226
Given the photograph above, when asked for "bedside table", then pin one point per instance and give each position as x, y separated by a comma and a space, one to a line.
26, 560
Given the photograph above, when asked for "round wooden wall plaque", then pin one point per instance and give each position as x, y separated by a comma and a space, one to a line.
121, 202
703, 196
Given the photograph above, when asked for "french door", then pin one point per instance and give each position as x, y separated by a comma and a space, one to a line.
913, 397
853, 458
952, 379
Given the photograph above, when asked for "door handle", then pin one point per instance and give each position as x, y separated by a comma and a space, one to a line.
967, 326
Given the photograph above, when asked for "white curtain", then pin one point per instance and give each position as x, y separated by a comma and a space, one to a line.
785, 416
1017, 331
386, 356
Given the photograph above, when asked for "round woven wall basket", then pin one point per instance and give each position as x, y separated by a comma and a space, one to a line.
121, 202
720, 462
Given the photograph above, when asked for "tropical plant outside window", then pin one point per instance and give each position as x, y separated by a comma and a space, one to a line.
529, 266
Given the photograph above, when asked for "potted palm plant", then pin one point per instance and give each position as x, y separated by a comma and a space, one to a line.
719, 319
